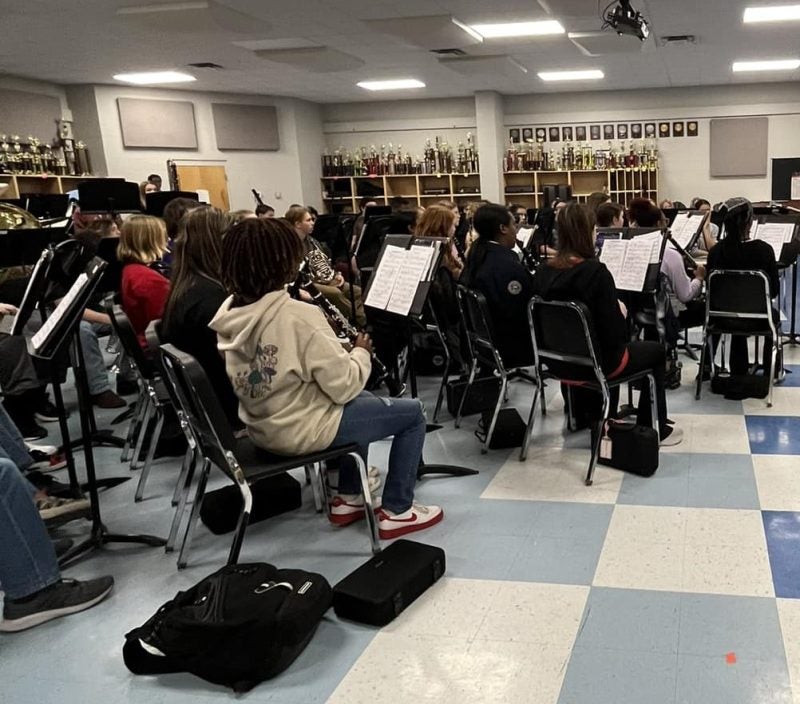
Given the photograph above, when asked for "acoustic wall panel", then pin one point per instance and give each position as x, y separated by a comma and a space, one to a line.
23, 114
246, 127
739, 146
157, 124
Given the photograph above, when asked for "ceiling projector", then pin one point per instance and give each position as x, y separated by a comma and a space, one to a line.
626, 21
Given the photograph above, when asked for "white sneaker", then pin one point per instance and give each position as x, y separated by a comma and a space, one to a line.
418, 517
349, 508
674, 438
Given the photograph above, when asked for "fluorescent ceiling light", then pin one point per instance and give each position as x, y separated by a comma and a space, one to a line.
166, 7
396, 84
778, 65
147, 78
772, 13
588, 75
519, 29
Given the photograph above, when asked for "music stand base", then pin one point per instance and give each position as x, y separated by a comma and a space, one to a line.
100, 537
450, 470
100, 438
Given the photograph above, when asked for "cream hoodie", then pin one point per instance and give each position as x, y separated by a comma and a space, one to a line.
291, 374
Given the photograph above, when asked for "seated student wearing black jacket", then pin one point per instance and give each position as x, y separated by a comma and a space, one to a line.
737, 251
494, 269
196, 294
574, 274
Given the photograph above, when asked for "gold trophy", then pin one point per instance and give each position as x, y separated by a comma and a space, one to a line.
5, 157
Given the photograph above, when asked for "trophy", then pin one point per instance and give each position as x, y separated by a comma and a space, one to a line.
83, 163
5, 157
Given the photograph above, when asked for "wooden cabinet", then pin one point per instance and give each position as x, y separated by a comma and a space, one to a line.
15, 185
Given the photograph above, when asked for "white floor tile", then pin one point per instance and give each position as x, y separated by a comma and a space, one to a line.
720, 526
727, 569
716, 434
785, 402
789, 614
778, 482
554, 474
636, 564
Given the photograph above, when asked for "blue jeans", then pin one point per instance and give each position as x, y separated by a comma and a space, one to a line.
96, 373
27, 560
368, 418
12, 446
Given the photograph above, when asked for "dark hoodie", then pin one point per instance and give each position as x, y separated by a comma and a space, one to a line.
592, 284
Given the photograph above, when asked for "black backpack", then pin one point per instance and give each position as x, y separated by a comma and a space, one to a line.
239, 626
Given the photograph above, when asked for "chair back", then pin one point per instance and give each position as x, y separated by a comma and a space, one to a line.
562, 333
738, 294
478, 326
200, 405
130, 344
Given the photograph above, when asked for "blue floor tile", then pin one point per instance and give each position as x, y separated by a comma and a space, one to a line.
544, 559
712, 680
774, 435
792, 379
782, 529
595, 675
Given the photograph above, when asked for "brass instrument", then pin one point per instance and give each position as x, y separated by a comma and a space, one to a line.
319, 265
346, 332
14, 218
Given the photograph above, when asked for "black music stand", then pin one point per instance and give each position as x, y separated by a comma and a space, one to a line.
788, 258
415, 313
109, 195
46, 205
156, 202
23, 247
60, 331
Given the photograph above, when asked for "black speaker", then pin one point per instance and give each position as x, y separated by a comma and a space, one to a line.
564, 192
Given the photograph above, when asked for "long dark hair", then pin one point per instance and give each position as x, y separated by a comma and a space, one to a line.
737, 216
259, 256
198, 253
487, 221
575, 235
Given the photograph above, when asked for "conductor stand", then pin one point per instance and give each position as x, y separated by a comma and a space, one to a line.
60, 331
400, 284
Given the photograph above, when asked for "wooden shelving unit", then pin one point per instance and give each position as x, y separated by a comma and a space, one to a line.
341, 194
622, 185
19, 184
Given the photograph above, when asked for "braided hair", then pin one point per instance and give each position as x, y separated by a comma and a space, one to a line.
259, 256
737, 216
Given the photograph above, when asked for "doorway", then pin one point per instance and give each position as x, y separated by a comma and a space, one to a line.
209, 178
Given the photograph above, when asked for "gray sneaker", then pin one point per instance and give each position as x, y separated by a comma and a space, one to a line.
67, 596
55, 511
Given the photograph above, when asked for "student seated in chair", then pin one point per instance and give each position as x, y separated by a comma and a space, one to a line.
299, 390
495, 270
575, 274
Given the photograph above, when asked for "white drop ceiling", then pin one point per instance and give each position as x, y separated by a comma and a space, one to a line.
89, 41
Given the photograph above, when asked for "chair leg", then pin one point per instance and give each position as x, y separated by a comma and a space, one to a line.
372, 522
701, 366
541, 389
438, 407
187, 460
316, 479
184, 487
523, 453
571, 424
596, 444
134, 426
773, 358
195, 514
244, 519
472, 371
493, 423
143, 427
655, 420
151, 450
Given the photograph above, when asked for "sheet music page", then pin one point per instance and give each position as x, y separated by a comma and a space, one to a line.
408, 279
638, 257
613, 256
775, 234
684, 228
754, 230
524, 235
383, 281
63, 305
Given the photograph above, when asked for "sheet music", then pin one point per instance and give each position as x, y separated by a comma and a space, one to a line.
417, 262
638, 258
383, 281
613, 256
63, 305
775, 234
684, 228
524, 235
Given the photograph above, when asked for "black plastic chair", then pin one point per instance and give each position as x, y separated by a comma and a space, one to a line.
483, 352
562, 334
239, 460
738, 304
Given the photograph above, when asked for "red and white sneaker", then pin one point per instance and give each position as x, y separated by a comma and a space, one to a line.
47, 461
349, 508
418, 517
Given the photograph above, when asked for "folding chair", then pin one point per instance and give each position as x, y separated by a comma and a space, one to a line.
562, 334
240, 460
738, 304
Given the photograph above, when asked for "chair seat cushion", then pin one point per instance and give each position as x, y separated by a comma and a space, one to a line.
257, 462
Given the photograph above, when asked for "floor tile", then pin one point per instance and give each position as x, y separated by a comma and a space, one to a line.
631, 620
553, 474
782, 530
792, 376
789, 614
785, 401
774, 435
726, 569
634, 564
778, 481
621, 677
712, 680
710, 434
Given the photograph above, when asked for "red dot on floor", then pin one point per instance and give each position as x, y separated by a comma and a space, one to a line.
730, 658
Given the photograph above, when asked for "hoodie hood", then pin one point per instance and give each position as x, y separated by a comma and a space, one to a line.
238, 328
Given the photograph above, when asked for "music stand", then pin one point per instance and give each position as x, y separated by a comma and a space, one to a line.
46, 205
156, 202
52, 339
788, 258
109, 195
418, 305
23, 247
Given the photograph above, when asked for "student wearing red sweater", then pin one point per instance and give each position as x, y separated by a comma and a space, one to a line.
142, 241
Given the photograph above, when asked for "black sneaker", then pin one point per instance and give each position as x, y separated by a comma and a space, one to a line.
67, 596
46, 412
31, 430
47, 462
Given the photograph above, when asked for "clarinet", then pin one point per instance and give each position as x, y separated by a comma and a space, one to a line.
342, 327
257, 196
690, 261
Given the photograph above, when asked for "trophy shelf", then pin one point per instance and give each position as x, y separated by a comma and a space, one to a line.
13, 186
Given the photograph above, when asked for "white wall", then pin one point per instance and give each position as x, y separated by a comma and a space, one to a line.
685, 161
283, 177
29, 86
